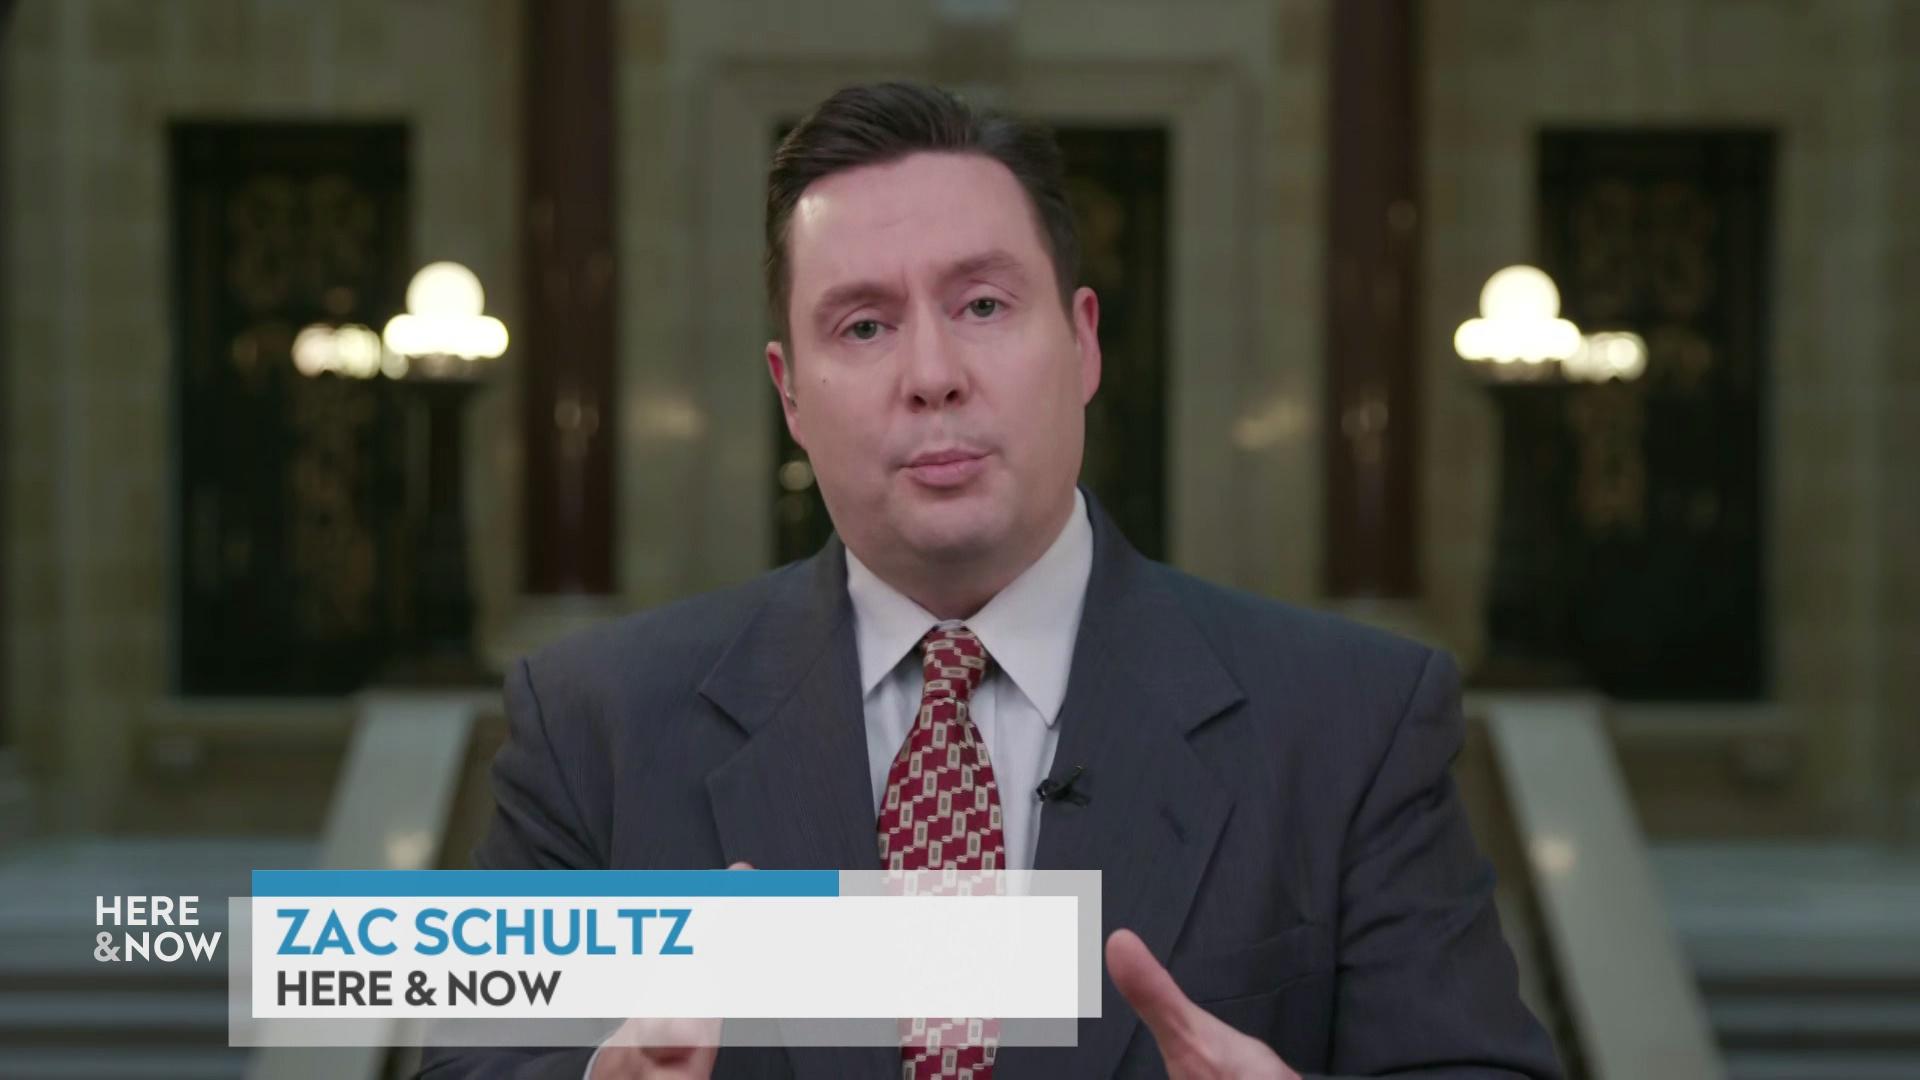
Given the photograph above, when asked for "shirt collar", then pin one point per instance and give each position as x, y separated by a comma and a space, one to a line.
1028, 628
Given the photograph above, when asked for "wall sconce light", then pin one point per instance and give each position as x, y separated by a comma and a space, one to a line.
440, 350
1519, 332
1520, 336
1609, 354
351, 351
443, 333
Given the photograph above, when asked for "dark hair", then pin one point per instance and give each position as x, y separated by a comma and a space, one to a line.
878, 123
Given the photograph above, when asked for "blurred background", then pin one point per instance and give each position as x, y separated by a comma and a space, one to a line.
265, 550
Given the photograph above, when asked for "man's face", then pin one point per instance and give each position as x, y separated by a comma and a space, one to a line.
938, 385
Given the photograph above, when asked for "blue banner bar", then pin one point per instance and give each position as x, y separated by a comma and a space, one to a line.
522, 883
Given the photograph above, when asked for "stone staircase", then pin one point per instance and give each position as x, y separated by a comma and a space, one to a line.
65, 1016
1808, 956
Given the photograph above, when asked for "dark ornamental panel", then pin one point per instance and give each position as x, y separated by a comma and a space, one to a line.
290, 512
1645, 566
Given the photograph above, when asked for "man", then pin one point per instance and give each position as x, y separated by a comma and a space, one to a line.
1289, 885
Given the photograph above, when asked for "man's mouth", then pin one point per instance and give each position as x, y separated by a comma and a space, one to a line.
946, 468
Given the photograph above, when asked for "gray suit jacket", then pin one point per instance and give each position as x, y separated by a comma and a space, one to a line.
1267, 796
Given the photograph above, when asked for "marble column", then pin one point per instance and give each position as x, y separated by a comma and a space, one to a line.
565, 343
1373, 228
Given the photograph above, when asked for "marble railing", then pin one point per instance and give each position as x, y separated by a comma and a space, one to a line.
409, 795
1579, 899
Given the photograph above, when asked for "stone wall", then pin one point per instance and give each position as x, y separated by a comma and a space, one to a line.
1899, 429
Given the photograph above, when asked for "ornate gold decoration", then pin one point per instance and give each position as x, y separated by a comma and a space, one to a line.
329, 547
1611, 493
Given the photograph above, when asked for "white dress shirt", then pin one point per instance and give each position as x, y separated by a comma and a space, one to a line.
1028, 629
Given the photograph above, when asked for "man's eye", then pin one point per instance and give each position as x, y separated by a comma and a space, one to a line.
984, 307
864, 330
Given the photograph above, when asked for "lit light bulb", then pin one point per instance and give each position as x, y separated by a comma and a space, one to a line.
445, 288
1609, 354
443, 318
1519, 322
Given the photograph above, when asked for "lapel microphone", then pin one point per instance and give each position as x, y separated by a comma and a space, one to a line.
1051, 789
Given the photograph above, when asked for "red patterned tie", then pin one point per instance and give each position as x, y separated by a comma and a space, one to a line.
942, 812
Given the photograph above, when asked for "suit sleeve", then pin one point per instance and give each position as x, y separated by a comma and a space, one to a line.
1427, 985
536, 825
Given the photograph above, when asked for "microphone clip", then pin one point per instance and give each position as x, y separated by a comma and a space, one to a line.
1062, 790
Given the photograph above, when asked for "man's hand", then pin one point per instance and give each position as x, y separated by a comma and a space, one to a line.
659, 1050
1195, 1044
645, 1049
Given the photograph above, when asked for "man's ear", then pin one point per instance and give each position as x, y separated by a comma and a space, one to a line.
781, 372
1085, 316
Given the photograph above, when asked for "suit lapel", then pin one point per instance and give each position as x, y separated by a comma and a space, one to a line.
798, 794
1143, 678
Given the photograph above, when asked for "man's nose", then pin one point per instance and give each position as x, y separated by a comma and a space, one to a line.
936, 375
